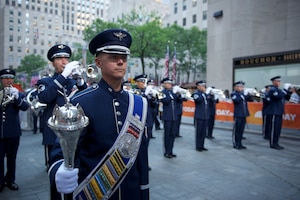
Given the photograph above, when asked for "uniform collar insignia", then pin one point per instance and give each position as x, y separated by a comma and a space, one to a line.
120, 35
61, 46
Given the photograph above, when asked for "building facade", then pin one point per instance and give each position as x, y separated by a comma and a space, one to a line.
253, 41
33, 26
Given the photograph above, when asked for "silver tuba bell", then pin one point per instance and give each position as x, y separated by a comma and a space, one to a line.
36, 106
5, 96
91, 71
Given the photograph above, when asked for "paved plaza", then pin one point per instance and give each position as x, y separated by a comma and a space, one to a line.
221, 173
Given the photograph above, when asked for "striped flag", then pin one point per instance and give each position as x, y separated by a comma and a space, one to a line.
174, 66
167, 63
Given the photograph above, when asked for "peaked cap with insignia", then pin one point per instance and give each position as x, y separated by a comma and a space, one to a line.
7, 73
276, 78
202, 83
141, 77
239, 83
116, 41
166, 80
59, 51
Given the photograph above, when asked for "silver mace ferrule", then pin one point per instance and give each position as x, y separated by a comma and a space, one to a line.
67, 122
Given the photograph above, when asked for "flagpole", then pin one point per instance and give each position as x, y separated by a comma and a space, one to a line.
167, 61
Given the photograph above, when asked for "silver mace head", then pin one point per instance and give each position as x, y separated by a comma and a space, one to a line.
67, 122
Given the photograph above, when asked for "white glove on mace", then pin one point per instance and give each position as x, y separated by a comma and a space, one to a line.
66, 179
14, 92
69, 68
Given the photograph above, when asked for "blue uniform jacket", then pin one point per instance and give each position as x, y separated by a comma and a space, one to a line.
265, 103
201, 105
179, 104
169, 108
277, 99
48, 93
106, 110
240, 104
212, 101
10, 126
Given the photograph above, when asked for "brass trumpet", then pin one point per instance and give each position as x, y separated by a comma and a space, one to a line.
5, 96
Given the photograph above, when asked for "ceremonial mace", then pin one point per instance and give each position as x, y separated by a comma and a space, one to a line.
67, 122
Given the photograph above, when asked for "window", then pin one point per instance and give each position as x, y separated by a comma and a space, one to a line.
194, 18
11, 48
175, 8
184, 5
184, 22
19, 49
11, 38
194, 3
204, 15
204, 1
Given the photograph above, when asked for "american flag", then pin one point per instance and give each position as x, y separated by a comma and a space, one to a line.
174, 66
167, 63
34, 79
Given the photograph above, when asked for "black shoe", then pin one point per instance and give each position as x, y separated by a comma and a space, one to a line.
178, 136
204, 149
173, 155
2, 187
210, 137
278, 147
199, 149
168, 155
158, 128
237, 147
243, 147
149, 168
152, 137
244, 138
12, 186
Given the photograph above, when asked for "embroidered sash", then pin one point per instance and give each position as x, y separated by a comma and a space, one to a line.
112, 169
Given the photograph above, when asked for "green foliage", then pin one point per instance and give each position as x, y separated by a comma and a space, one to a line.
31, 63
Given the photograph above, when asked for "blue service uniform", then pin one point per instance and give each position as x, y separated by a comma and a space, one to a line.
48, 93
240, 113
274, 113
212, 101
266, 123
152, 102
179, 106
169, 116
201, 117
10, 137
106, 110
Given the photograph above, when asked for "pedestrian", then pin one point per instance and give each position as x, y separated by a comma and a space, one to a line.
240, 102
295, 98
212, 101
201, 114
110, 110
275, 111
51, 90
11, 103
169, 116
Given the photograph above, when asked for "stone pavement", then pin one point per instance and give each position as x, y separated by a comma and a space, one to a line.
220, 173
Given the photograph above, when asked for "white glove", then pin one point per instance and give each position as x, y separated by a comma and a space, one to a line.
69, 68
287, 85
14, 92
66, 179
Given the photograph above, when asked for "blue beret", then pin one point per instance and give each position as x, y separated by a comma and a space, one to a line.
239, 83
140, 77
276, 78
202, 83
7, 73
59, 51
166, 80
116, 41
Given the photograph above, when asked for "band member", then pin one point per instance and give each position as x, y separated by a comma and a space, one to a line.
275, 111
201, 115
155, 109
141, 81
11, 103
212, 101
240, 113
51, 90
266, 123
179, 105
106, 105
169, 116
